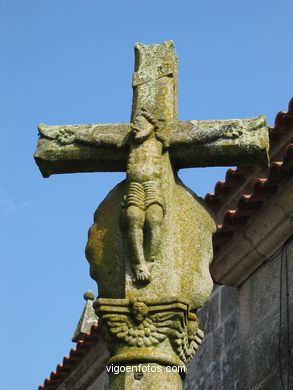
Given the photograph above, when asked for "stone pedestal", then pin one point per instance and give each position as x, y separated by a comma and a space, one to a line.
146, 376
150, 340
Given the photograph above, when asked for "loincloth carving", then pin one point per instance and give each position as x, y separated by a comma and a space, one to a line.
143, 195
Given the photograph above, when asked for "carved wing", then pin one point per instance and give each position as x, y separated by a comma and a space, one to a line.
118, 324
145, 334
185, 336
187, 345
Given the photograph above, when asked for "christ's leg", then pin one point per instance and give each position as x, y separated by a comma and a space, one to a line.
135, 219
153, 220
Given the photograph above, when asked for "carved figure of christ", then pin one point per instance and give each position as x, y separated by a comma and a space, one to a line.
144, 204
138, 147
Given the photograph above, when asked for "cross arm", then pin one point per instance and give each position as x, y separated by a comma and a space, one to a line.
101, 147
82, 148
202, 143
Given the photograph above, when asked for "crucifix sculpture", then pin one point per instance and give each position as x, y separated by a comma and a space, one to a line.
151, 242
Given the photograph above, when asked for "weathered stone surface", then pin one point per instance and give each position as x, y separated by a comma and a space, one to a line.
101, 147
151, 242
229, 302
78, 152
266, 350
252, 245
231, 329
152, 373
250, 320
216, 364
181, 265
146, 221
210, 315
260, 331
162, 332
87, 319
274, 382
264, 293
230, 367
102, 383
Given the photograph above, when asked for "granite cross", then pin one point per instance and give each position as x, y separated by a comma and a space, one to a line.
150, 244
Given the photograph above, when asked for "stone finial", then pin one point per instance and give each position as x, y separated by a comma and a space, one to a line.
87, 319
89, 295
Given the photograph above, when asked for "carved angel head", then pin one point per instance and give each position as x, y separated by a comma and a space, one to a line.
139, 310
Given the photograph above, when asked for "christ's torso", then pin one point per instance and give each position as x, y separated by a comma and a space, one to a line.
144, 161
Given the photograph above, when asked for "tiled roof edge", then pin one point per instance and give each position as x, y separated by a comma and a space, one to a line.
236, 176
261, 188
71, 361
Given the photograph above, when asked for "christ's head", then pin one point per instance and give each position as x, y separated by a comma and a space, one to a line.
143, 126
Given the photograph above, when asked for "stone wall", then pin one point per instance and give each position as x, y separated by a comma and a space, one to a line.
216, 364
245, 346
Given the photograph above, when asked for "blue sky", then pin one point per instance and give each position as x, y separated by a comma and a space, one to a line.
72, 62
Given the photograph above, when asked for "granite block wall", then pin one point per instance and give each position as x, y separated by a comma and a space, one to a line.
248, 338
216, 365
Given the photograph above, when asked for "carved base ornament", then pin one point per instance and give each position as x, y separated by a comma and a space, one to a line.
159, 331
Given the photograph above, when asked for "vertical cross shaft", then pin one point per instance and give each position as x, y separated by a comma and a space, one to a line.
155, 81
155, 330
154, 108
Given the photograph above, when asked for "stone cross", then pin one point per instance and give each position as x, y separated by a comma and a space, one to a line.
151, 242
